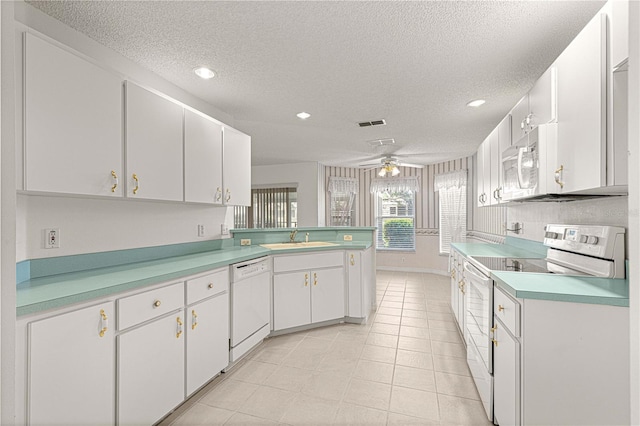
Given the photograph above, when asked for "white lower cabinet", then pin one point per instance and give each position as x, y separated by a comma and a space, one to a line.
308, 288
457, 290
506, 376
360, 282
559, 362
207, 328
151, 370
71, 368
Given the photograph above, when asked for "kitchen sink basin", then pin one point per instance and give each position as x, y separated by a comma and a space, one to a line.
296, 245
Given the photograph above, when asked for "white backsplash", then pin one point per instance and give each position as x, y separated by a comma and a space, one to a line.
535, 215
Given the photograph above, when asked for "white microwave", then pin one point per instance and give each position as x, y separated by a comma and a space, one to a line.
524, 170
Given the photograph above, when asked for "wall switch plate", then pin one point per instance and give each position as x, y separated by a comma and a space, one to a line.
224, 229
200, 230
245, 242
52, 238
348, 238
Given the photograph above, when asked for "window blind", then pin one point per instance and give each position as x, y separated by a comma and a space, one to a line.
270, 208
452, 190
395, 220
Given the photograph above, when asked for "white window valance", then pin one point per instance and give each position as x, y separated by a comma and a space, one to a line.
455, 179
395, 184
344, 185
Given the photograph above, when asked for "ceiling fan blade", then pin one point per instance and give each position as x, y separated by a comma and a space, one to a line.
416, 166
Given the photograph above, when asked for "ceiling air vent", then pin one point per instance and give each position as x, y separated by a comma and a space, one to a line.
372, 123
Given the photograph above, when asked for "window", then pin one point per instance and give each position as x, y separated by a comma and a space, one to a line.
395, 213
270, 208
452, 188
343, 201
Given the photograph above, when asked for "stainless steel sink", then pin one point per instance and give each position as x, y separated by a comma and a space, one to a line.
287, 246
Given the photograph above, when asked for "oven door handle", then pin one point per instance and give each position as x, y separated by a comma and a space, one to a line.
480, 277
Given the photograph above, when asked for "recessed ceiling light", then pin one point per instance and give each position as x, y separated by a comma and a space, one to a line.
303, 115
204, 72
476, 103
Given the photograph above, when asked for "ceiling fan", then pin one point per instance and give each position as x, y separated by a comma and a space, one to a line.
389, 165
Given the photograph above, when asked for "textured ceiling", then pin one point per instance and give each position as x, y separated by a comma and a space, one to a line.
414, 64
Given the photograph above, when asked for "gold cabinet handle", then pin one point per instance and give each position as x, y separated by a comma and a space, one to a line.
135, 190
115, 183
500, 308
306, 280
558, 176
179, 332
461, 284
453, 274
157, 304
104, 323
218, 194
493, 331
315, 279
228, 197
210, 286
194, 319
352, 260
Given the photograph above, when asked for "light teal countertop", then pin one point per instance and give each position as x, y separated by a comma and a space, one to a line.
54, 291
564, 288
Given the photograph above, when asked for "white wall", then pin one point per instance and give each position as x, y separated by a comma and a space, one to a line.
95, 225
303, 175
634, 207
426, 258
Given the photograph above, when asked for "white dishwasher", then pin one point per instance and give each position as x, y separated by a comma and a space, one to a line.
250, 305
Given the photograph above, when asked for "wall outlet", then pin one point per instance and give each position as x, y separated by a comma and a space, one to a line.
348, 238
52, 238
245, 242
200, 230
224, 229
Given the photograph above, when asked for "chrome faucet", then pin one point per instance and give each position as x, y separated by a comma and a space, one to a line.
292, 236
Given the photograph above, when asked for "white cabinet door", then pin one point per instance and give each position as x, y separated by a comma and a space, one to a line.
542, 99
504, 142
582, 110
291, 300
72, 368
619, 32
480, 171
518, 116
153, 146
492, 179
237, 168
356, 306
73, 123
202, 159
207, 329
506, 376
151, 370
327, 294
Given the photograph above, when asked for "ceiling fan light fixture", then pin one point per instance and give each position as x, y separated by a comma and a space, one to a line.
395, 171
382, 172
476, 103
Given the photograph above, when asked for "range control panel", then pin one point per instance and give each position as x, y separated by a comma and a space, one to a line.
593, 240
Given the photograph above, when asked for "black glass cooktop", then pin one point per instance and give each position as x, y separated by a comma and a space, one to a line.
513, 264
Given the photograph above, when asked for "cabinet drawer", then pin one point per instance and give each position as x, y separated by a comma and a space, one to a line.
207, 285
141, 307
308, 261
508, 310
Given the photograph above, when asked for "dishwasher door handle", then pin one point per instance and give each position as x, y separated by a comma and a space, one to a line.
475, 272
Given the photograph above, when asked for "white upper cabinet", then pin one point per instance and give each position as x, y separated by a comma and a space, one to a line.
73, 123
619, 32
237, 168
519, 115
153, 145
202, 159
581, 151
543, 100
480, 171
490, 146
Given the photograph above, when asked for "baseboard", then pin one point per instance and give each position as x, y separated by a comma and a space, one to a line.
418, 270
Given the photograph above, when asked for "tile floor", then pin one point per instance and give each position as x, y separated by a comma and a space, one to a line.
405, 367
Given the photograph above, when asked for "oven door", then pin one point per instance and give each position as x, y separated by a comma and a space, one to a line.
479, 315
